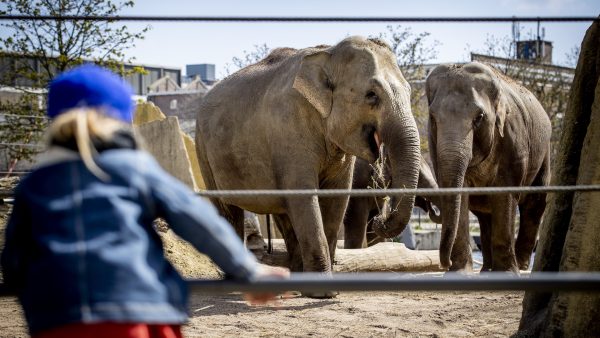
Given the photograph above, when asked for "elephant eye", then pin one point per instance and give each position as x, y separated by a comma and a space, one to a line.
477, 120
372, 98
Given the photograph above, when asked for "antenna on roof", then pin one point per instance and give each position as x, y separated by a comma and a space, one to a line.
516, 33
543, 33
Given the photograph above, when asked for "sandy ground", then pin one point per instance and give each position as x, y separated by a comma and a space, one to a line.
389, 314
364, 314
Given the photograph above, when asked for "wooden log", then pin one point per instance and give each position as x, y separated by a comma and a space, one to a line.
382, 257
386, 256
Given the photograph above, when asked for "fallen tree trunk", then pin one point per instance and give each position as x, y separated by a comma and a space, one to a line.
386, 256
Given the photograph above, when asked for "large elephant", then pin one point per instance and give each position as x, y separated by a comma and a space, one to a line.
362, 211
485, 130
293, 121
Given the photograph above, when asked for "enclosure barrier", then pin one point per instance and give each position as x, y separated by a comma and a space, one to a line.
6, 194
317, 282
387, 281
282, 19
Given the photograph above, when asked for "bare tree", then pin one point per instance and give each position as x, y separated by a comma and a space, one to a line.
32, 52
413, 51
247, 58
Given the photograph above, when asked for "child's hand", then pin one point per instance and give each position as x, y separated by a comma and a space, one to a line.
267, 271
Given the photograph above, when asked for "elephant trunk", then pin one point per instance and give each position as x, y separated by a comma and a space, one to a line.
451, 170
427, 181
401, 140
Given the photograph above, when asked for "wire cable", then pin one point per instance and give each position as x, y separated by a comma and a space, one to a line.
300, 18
384, 192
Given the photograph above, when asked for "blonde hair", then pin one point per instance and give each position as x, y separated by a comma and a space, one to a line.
80, 125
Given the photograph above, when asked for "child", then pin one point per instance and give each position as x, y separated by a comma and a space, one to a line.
81, 250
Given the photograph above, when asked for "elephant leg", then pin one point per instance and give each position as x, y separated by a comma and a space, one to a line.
334, 208
485, 229
531, 211
291, 242
305, 216
503, 234
461, 256
355, 223
235, 216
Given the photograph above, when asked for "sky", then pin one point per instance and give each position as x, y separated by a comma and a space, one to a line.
177, 44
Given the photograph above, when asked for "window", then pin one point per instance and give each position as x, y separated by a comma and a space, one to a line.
173, 104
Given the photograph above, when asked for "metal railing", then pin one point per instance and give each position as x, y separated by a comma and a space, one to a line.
283, 19
356, 282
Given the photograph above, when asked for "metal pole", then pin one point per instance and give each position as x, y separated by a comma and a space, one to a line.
269, 235
317, 282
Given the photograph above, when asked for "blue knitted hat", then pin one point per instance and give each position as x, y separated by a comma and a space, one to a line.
90, 86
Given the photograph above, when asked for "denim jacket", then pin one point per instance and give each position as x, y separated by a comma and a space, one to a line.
82, 250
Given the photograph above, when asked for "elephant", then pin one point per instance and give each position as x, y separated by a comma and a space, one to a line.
485, 130
296, 120
361, 211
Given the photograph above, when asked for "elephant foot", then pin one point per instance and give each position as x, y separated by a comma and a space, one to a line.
509, 270
524, 266
485, 268
462, 270
523, 263
255, 242
321, 295
506, 265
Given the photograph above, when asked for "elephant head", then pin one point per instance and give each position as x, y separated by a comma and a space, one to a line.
357, 87
467, 111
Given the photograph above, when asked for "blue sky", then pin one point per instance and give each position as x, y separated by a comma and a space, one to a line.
178, 44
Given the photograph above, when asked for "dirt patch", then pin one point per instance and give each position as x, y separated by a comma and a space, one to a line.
364, 314
187, 260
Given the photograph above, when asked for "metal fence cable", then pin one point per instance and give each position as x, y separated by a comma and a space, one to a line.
29, 145
297, 19
396, 192
386, 281
385, 192
26, 116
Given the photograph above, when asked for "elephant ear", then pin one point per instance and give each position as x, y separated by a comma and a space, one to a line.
313, 83
431, 81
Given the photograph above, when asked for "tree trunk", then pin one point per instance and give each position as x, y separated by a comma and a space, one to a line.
386, 256
570, 232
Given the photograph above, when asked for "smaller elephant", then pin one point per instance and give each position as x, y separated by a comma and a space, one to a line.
485, 130
361, 211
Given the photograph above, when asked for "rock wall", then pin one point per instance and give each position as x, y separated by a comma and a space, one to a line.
173, 149
570, 232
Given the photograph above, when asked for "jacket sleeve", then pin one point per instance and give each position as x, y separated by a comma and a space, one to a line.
17, 241
197, 221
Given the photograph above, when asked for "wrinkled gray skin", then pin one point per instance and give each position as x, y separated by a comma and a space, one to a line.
485, 130
292, 121
361, 211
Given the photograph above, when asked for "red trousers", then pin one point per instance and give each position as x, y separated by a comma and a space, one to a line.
112, 330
